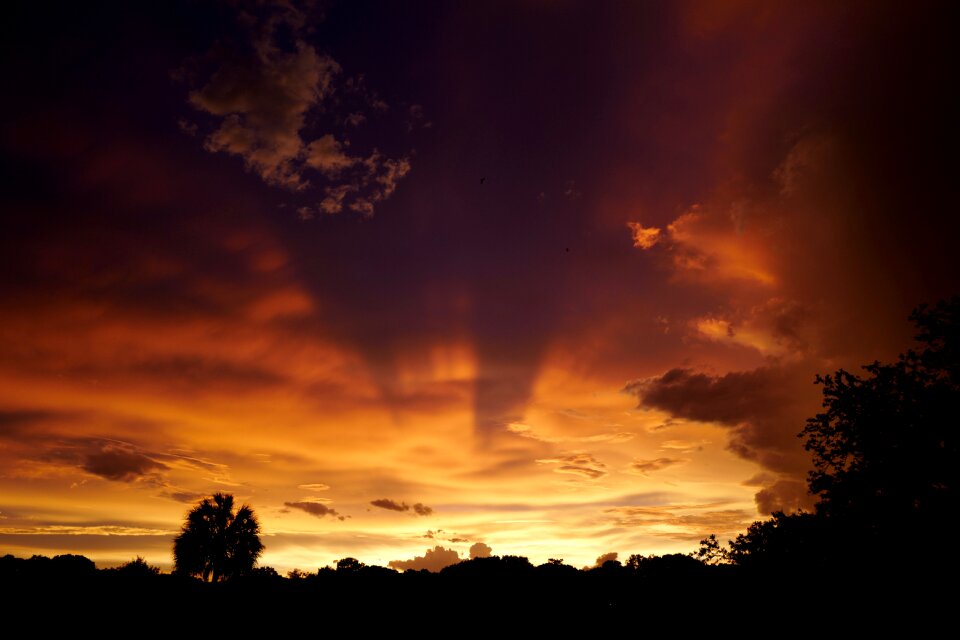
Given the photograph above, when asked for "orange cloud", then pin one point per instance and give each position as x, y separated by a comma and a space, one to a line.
433, 560
710, 249
643, 237
580, 464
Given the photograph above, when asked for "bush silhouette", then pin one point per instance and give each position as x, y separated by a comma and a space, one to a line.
138, 568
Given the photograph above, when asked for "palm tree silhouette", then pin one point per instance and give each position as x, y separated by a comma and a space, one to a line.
216, 543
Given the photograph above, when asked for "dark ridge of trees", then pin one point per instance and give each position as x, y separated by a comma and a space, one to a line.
506, 594
137, 569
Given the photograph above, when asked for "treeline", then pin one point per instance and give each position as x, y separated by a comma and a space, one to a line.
495, 592
491, 593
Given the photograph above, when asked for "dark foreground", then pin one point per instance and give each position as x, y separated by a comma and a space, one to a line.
669, 594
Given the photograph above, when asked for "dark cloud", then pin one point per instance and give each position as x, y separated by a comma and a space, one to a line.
729, 399
392, 505
263, 96
433, 560
422, 509
120, 463
269, 95
764, 408
480, 550
119, 460
314, 508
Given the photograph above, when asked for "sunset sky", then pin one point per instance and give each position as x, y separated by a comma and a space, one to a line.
555, 277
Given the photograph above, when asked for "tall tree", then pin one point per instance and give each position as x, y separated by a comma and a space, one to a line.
216, 543
885, 449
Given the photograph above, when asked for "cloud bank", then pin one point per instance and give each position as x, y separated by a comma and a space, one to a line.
433, 560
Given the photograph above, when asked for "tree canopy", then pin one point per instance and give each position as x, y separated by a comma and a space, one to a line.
217, 543
885, 446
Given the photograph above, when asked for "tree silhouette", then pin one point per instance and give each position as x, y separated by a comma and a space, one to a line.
216, 543
710, 552
788, 543
138, 568
349, 565
885, 447
886, 465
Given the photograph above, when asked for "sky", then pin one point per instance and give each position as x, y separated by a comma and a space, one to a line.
424, 281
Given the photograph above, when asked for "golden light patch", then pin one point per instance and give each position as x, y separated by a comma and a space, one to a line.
711, 251
744, 334
643, 237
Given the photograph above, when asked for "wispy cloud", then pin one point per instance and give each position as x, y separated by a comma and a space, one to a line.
418, 508
318, 509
